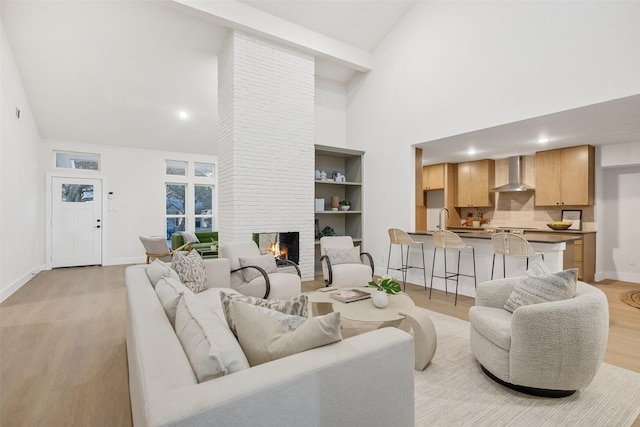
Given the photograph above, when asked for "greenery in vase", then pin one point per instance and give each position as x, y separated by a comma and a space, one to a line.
327, 231
345, 202
387, 284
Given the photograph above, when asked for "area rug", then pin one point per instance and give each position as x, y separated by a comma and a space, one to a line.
631, 298
453, 391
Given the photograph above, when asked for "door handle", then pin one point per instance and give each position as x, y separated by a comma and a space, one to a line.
97, 226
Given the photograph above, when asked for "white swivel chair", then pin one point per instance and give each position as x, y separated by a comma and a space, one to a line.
512, 245
257, 275
342, 262
444, 239
399, 237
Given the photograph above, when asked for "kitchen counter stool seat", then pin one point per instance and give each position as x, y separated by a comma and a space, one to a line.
401, 238
444, 239
512, 245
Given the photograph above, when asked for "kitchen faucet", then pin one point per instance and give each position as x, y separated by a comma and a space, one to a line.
440, 217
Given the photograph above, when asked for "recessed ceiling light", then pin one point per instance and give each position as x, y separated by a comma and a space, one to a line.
472, 151
543, 140
183, 115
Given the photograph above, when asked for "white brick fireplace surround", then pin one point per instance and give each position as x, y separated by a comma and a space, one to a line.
266, 142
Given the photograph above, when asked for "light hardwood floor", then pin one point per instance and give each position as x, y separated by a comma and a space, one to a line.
63, 355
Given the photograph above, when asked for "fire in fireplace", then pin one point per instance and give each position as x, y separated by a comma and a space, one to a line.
283, 245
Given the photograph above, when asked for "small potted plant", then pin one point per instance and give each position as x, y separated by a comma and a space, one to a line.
214, 244
345, 204
384, 285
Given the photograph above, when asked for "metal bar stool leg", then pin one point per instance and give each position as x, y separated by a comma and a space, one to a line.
433, 264
446, 273
493, 264
389, 257
424, 267
475, 279
403, 268
504, 267
457, 278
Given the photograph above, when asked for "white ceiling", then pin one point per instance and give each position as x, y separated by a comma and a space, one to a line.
118, 72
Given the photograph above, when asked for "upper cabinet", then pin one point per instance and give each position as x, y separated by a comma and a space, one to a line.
565, 176
433, 177
473, 184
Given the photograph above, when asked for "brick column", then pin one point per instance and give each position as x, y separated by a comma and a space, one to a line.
266, 142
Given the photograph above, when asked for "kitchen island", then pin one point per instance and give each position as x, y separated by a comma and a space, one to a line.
554, 247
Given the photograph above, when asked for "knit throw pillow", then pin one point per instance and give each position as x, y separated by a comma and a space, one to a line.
266, 262
343, 255
296, 306
190, 269
544, 288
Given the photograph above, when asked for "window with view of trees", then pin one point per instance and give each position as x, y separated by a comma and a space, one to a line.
190, 205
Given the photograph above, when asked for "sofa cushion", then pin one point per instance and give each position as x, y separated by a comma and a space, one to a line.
159, 269
339, 256
211, 298
492, 323
266, 335
169, 292
544, 288
190, 237
190, 269
210, 346
297, 306
267, 262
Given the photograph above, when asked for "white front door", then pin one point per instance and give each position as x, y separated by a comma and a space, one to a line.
76, 222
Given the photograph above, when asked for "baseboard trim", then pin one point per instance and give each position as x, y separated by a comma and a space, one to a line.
20, 282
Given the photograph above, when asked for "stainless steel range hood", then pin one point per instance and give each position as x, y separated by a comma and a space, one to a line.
516, 174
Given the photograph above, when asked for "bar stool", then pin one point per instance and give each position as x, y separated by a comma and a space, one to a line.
513, 245
444, 240
399, 237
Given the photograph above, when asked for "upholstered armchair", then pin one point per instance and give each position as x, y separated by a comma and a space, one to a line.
257, 275
157, 247
342, 264
547, 349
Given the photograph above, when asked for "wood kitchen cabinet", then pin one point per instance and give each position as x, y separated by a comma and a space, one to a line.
433, 177
473, 184
565, 176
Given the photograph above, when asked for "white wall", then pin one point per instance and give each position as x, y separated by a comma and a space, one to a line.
21, 184
618, 256
331, 113
453, 67
137, 179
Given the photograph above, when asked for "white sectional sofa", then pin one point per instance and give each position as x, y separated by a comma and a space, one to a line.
365, 380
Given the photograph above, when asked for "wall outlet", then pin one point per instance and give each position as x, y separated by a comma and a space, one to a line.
633, 261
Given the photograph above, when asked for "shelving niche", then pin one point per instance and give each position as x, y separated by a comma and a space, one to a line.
345, 223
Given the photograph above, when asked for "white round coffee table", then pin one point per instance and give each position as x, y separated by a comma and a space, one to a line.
400, 308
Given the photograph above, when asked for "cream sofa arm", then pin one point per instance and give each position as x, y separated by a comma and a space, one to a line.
326, 386
551, 342
495, 293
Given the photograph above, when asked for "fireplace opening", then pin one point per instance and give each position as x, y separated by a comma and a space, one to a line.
283, 246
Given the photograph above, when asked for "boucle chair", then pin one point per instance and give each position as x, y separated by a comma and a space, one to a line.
548, 349
342, 262
256, 275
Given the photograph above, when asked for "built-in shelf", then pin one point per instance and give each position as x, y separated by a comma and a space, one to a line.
345, 223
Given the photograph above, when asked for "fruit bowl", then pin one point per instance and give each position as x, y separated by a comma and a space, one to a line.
559, 225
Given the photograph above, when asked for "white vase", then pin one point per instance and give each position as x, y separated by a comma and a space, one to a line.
380, 299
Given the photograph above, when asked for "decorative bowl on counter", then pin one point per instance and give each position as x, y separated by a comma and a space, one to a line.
559, 225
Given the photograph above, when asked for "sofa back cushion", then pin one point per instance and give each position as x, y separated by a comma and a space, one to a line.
159, 269
169, 292
210, 346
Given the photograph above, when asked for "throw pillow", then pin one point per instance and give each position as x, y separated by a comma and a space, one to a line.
263, 337
169, 292
343, 255
297, 306
544, 288
537, 268
267, 262
159, 269
210, 346
190, 269
189, 237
